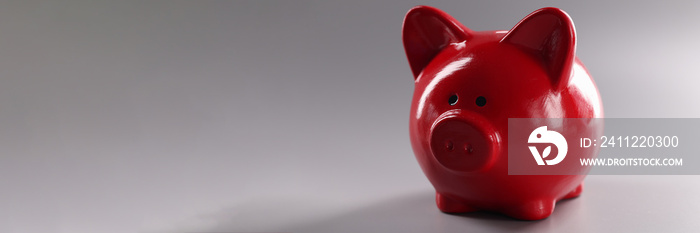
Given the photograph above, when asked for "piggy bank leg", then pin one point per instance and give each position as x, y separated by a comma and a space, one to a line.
576, 192
533, 210
450, 205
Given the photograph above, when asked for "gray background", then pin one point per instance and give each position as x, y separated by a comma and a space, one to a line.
233, 116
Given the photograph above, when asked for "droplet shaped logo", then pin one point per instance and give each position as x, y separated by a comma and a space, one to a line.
542, 135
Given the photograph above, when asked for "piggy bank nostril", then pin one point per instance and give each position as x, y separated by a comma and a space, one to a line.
469, 148
449, 146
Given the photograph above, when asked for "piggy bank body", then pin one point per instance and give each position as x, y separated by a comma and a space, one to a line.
468, 84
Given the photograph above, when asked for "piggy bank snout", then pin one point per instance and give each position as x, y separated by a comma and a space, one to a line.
463, 143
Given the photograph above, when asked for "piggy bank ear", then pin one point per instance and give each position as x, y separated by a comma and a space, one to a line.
549, 35
426, 31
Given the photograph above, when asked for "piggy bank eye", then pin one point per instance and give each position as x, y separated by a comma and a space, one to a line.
453, 99
480, 101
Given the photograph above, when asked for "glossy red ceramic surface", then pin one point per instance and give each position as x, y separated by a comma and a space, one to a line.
467, 85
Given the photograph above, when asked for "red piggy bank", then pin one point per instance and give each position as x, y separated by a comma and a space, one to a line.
468, 84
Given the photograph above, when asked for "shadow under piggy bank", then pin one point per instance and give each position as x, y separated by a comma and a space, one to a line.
417, 212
